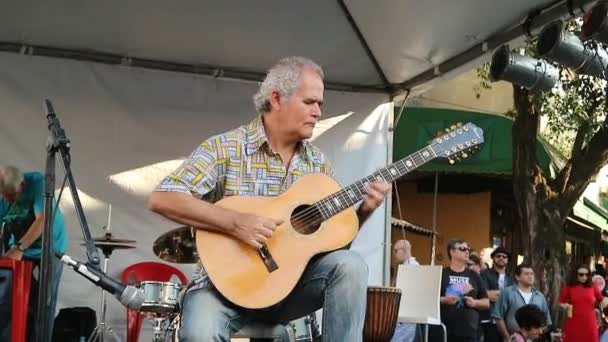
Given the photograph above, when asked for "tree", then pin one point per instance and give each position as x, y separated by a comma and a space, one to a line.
578, 125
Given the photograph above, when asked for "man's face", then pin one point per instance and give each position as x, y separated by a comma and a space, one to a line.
301, 111
500, 259
461, 252
401, 252
526, 277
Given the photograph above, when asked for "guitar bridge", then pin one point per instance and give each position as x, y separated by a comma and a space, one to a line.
267, 258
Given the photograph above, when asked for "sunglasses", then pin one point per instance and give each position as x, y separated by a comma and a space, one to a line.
583, 274
463, 249
501, 256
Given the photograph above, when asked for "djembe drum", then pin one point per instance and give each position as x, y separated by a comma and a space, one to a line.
381, 314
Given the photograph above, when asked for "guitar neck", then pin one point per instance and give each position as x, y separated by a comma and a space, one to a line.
345, 198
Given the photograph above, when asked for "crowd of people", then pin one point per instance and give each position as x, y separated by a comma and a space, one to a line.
483, 303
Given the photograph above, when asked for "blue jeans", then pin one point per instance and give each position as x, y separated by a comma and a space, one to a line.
336, 282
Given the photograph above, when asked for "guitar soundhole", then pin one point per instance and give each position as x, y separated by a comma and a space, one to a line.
306, 219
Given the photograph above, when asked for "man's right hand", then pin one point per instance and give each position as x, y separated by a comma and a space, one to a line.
254, 230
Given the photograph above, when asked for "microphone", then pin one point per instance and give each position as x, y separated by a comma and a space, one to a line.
127, 295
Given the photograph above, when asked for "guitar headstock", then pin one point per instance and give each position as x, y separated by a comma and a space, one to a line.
458, 142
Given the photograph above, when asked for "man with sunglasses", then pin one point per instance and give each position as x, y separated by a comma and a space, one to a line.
496, 279
22, 222
463, 295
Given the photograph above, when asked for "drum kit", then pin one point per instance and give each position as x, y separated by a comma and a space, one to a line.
162, 299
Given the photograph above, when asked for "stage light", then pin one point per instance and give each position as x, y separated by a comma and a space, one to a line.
563, 47
530, 73
595, 24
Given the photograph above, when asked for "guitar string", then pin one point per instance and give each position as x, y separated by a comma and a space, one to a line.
310, 216
313, 211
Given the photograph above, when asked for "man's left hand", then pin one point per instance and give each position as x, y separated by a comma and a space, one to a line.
14, 253
374, 195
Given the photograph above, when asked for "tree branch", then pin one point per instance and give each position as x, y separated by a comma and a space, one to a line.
525, 128
585, 164
559, 184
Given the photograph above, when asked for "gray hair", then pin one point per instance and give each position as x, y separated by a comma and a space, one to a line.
10, 179
284, 77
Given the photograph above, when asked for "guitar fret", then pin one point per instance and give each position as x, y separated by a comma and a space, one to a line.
337, 201
319, 206
354, 193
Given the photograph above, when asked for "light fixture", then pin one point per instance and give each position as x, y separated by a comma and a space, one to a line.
557, 44
530, 73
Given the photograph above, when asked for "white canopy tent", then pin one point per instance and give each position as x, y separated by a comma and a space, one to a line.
138, 85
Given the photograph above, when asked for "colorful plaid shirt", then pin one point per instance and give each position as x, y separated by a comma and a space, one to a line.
241, 162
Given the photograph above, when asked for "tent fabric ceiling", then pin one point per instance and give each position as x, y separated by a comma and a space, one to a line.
406, 37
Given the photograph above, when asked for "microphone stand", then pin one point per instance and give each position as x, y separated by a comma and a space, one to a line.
57, 142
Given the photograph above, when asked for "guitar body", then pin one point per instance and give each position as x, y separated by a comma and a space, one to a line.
238, 271
256, 279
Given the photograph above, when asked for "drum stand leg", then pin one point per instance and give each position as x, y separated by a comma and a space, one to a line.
443, 328
101, 328
313, 327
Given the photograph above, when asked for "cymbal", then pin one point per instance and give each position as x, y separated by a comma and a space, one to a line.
113, 245
177, 246
107, 237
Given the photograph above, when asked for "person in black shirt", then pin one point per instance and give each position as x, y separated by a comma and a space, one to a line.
463, 295
495, 278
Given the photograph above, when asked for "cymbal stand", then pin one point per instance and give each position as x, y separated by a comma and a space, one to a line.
101, 328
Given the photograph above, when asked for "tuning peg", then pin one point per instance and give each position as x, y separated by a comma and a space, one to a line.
453, 127
465, 155
439, 133
447, 130
451, 161
459, 124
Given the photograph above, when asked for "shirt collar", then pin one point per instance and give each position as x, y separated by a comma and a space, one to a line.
256, 138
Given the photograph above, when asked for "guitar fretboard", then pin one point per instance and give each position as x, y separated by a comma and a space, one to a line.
345, 198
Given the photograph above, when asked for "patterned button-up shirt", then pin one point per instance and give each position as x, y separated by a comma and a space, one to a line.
241, 162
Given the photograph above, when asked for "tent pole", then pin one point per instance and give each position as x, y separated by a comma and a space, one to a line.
434, 239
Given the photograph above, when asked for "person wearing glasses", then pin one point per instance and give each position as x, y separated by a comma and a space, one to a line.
402, 255
514, 297
579, 297
463, 295
496, 279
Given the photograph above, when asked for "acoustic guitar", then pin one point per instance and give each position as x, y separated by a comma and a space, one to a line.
318, 217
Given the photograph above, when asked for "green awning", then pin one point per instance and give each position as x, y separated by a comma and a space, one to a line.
590, 212
417, 126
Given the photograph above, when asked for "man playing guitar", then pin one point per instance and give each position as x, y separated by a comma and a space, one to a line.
264, 158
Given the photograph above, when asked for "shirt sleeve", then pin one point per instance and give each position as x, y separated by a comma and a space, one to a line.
564, 295
597, 293
198, 175
38, 192
500, 309
546, 309
482, 292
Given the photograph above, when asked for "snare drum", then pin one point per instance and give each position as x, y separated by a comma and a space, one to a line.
161, 297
